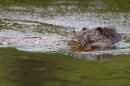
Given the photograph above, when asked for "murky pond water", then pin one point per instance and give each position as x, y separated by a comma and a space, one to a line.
46, 26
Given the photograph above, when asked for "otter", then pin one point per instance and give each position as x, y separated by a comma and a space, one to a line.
97, 38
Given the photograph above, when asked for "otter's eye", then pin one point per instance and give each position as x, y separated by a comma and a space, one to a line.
84, 29
73, 31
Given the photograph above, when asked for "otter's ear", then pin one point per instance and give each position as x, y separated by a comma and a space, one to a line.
105, 30
99, 29
85, 28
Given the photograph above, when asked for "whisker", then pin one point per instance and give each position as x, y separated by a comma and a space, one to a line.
84, 42
81, 40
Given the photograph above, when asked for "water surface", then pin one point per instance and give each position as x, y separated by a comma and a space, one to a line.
43, 28
19, 68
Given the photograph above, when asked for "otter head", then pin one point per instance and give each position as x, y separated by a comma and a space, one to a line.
79, 35
98, 37
109, 32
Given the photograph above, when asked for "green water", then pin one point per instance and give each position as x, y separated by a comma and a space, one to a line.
60, 17
18, 68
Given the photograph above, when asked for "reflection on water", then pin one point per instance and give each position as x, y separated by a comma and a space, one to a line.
94, 57
101, 55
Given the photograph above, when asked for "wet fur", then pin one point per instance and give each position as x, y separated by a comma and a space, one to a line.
98, 38
110, 32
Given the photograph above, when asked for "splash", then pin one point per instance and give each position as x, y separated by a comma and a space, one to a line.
32, 42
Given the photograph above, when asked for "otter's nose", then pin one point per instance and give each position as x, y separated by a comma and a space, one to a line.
73, 31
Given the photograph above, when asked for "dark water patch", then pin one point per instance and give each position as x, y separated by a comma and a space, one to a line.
95, 5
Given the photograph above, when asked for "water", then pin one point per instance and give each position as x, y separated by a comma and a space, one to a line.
42, 28
48, 26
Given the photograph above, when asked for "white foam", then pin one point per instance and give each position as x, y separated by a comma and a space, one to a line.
32, 41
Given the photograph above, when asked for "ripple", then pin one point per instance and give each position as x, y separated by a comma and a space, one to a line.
67, 2
32, 41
